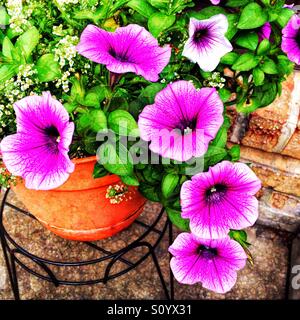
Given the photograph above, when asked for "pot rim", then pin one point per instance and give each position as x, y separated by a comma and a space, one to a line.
84, 160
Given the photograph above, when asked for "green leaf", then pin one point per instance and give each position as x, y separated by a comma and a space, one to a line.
237, 3
116, 160
248, 105
214, 155
207, 12
248, 41
95, 96
261, 97
265, 94
8, 48
232, 25
253, 16
148, 94
94, 120
47, 68
269, 66
284, 16
171, 6
221, 137
235, 153
149, 192
258, 76
99, 171
84, 14
152, 174
123, 123
239, 235
229, 58
177, 220
28, 41
160, 4
284, 66
246, 62
159, 22
264, 47
178, 5
70, 106
130, 180
169, 184
142, 7
224, 94
7, 71
4, 17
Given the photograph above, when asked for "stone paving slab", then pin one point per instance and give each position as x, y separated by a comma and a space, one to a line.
266, 280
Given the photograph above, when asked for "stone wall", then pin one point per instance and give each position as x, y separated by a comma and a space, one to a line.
270, 141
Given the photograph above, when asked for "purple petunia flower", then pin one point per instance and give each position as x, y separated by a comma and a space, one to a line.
291, 39
265, 32
38, 152
128, 49
220, 199
182, 121
214, 2
214, 263
207, 43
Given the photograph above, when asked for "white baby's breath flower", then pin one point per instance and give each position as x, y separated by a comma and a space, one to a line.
18, 15
65, 2
65, 50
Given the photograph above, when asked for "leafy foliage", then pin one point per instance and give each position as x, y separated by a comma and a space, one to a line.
97, 100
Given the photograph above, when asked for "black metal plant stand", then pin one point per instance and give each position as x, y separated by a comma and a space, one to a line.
13, 252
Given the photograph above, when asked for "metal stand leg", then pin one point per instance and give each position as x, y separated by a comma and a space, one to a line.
161, 277
171, 274
10, 267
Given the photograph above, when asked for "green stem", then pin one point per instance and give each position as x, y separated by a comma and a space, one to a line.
107, 105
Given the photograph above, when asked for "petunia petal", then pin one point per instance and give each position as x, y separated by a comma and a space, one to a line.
177, 107
236, 208
216, 272
38, 152
290, 34
32, 160
95, 44
128, 49
208, 51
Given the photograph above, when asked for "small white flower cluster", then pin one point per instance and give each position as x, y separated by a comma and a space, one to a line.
117, 193
86, 68
24, 80
5, 111
64, 54
88, 4
65, 2
14, 89
64, 82
215, 81
11, 91
58, 30
18, 15
65, 51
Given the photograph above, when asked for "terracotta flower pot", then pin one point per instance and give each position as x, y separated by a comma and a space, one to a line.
84, 208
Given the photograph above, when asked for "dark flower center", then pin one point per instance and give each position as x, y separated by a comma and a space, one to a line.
216, 193
187, 127
298, 38
54, 137
119, 56
207, 252
200, 34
